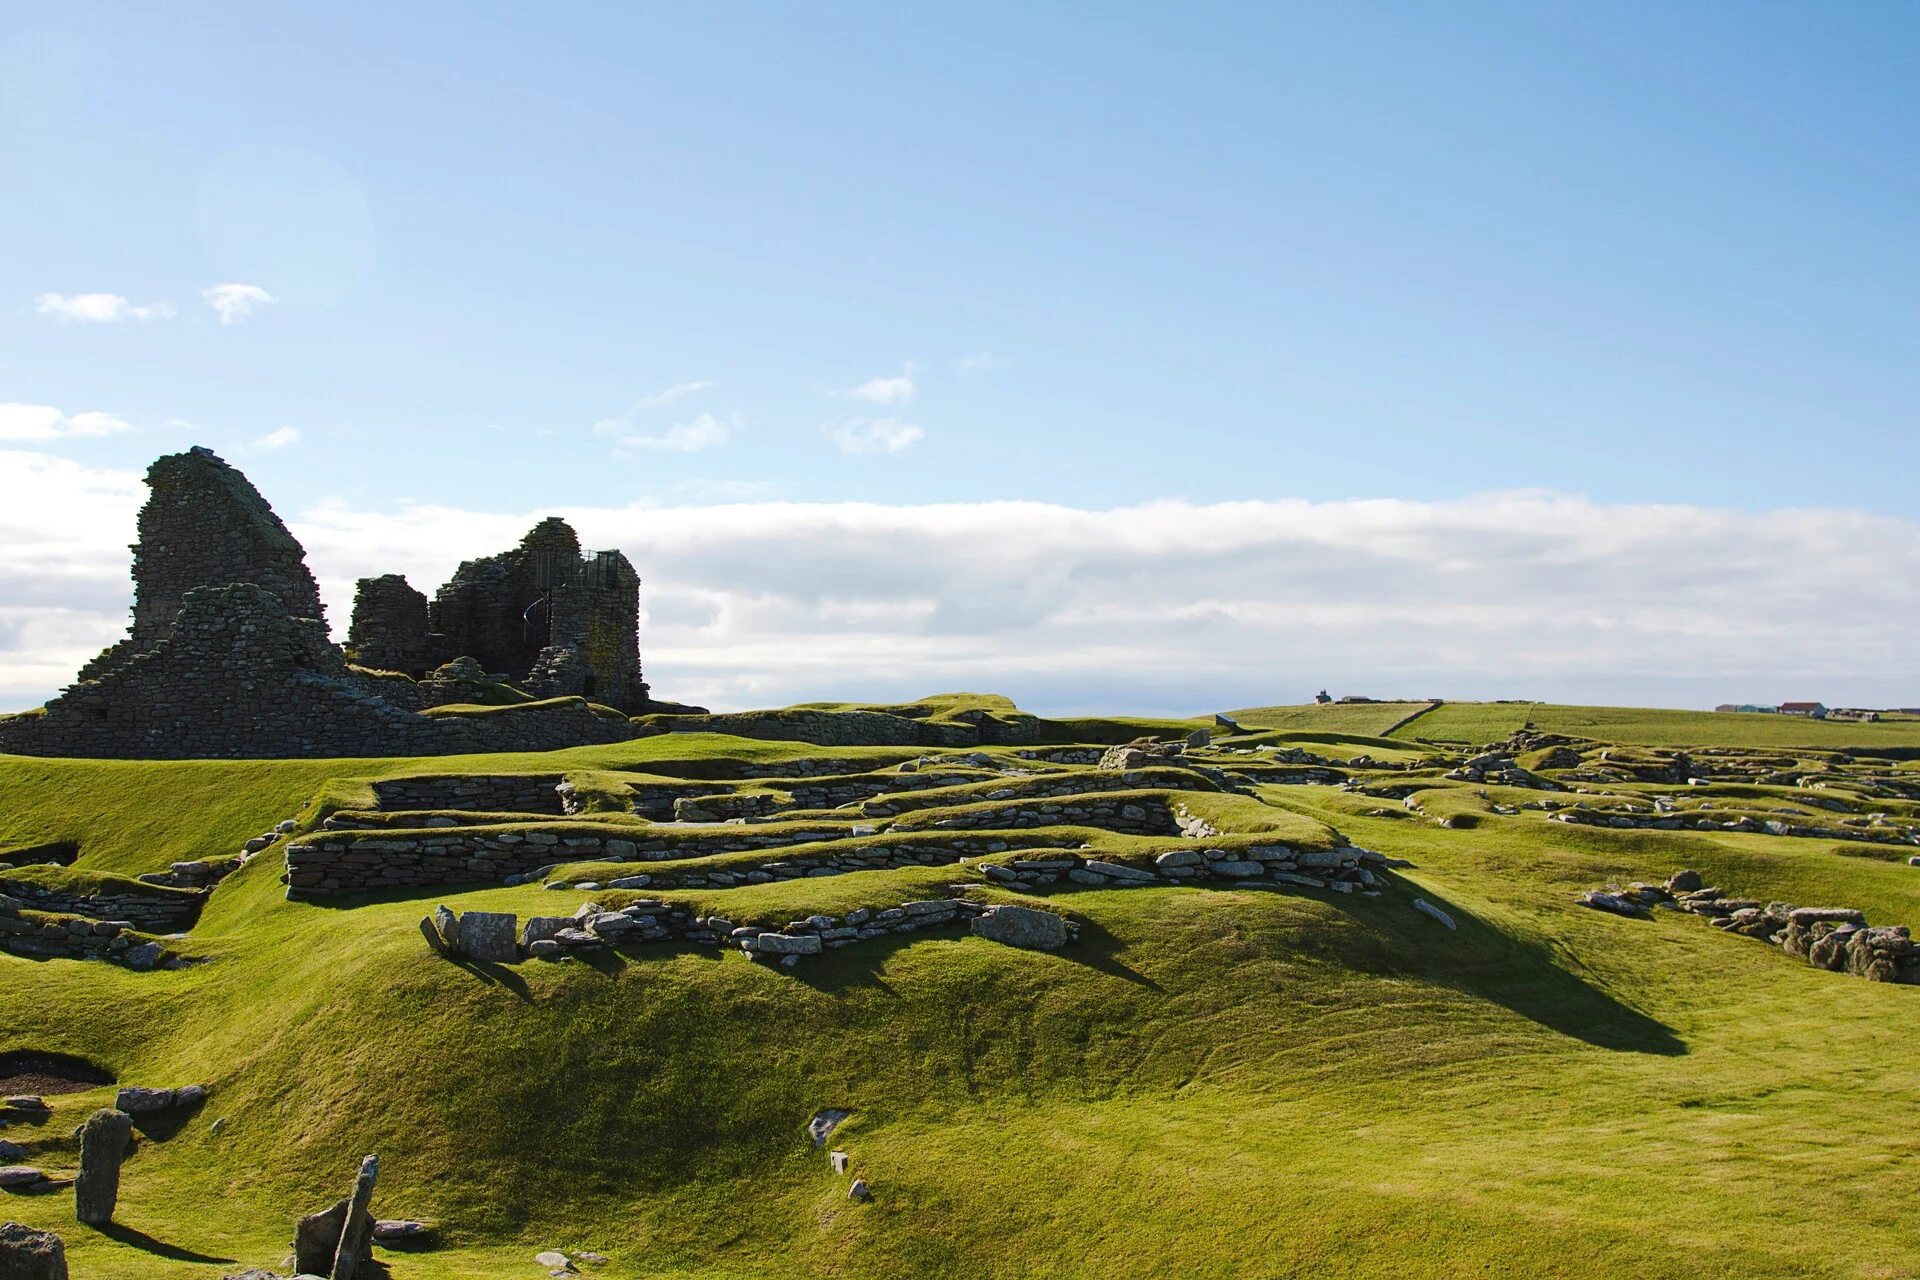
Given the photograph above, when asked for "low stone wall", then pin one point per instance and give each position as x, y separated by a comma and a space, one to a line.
1044, 787
342, 862
53, 937
824, 793
1126, 812
150, 913
823, 728
1693, 820
488, 793
920, 852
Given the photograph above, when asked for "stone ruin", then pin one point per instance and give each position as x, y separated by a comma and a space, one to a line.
544, 616
228, 653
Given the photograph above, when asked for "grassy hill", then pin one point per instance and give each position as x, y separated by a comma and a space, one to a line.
1216, 1081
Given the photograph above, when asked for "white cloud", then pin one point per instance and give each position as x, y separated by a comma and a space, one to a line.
883, 390
982, 362
1163, 607
278, 439
874, 435
97, 308
704, 432
24, 422
235, 302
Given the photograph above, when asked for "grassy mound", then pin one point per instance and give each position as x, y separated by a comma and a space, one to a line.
1216, 1081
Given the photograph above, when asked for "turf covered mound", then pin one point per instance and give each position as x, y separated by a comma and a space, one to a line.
1242, 1050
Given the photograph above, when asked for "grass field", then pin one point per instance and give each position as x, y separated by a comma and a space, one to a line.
1478, 722
1216, 1082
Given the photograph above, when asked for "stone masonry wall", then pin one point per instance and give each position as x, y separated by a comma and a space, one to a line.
496, 793
240, 678
150, 913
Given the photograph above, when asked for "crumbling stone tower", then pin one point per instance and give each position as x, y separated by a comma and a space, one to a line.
204, 524
555, 621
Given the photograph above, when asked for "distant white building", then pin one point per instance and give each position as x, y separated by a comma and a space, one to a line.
1813, 710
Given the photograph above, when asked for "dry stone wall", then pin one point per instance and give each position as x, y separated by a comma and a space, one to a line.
148, 912
487, 793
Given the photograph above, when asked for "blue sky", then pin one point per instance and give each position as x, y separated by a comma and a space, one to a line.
507, 259
1631, 251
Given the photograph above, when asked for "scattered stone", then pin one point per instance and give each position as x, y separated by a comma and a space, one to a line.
12, 1151
138, 1100
1426, 908
1685, 882
1025, 927
859, 1191
553, 1258
824, 1122
104, 1140
27, 1102
29, 1254
838, 1159
448, 926
13, 1177
1601, 900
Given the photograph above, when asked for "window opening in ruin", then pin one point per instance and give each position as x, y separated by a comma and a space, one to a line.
586, 687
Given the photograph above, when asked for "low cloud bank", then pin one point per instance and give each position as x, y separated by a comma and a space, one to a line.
1165, 607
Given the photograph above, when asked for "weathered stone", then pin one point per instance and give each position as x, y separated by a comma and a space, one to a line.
20, 1175
1685, 882
838, 1160
29, 1254
104, 1139
552, 1258
489, 936
1236, 869
136, 1099
860, 1190
1426, 908
448, 926
824, 1122
1022, 927
316, 1240
788, 944
356, 1237
1178, 858
402, 1231
541, 928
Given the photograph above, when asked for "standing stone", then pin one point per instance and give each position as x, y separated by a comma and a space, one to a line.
26, 1254
316, 1240
104, 1139
356, 1236
448, 925
489, 935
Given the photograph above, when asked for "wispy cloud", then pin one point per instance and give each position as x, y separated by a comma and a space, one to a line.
728, 490
883, 390
874, 435
44, 422
981, 362
704, 432
235, 302
97, 308
671, 394
284, 437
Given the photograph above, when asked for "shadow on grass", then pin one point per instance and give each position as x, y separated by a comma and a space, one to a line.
1100, 950
134, 1238
158, 1126
1517, 975
493, 973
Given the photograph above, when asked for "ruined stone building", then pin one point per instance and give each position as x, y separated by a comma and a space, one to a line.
543, 616
228, 653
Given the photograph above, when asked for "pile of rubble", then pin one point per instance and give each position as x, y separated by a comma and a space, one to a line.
1837, 939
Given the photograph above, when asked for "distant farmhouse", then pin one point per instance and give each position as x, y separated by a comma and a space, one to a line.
1818, 711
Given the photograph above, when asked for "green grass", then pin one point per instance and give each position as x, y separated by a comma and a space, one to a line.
1215, 1083
1483, 722
1367, 719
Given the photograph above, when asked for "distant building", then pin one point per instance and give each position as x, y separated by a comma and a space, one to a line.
1746, 706
1812, 710
1322, 698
